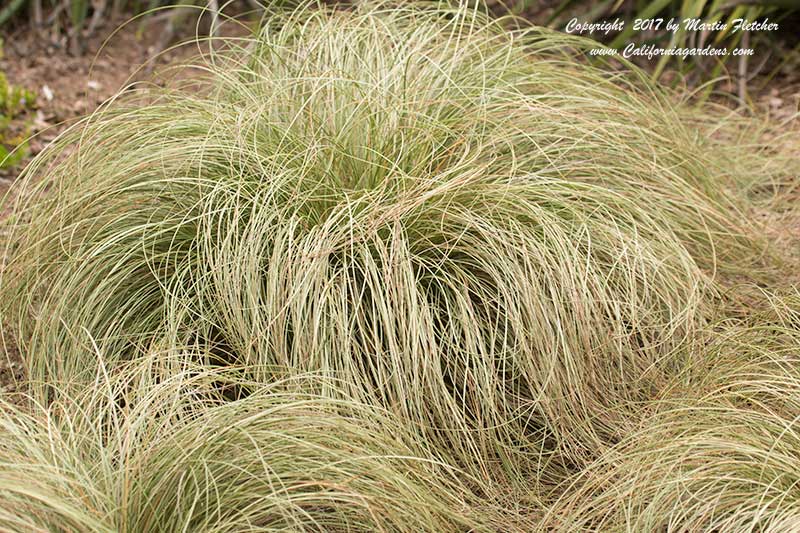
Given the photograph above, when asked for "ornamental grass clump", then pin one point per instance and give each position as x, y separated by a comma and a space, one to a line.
181, 452
719, 452
707, 467
465, 225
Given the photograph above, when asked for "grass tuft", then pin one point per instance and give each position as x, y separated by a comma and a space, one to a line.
717, 453
149, 451
467, 226
506, 268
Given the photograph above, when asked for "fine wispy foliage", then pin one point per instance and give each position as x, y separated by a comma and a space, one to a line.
465, 225
719, 451
197, 450
508, 268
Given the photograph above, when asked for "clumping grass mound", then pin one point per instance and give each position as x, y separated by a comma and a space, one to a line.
465, 225
174, 454
718, 453
697, 468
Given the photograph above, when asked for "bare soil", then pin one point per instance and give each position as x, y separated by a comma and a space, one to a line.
69, 87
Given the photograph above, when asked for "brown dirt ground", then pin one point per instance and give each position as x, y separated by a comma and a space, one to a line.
69, 87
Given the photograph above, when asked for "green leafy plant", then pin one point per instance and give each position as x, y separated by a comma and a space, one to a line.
14, 101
